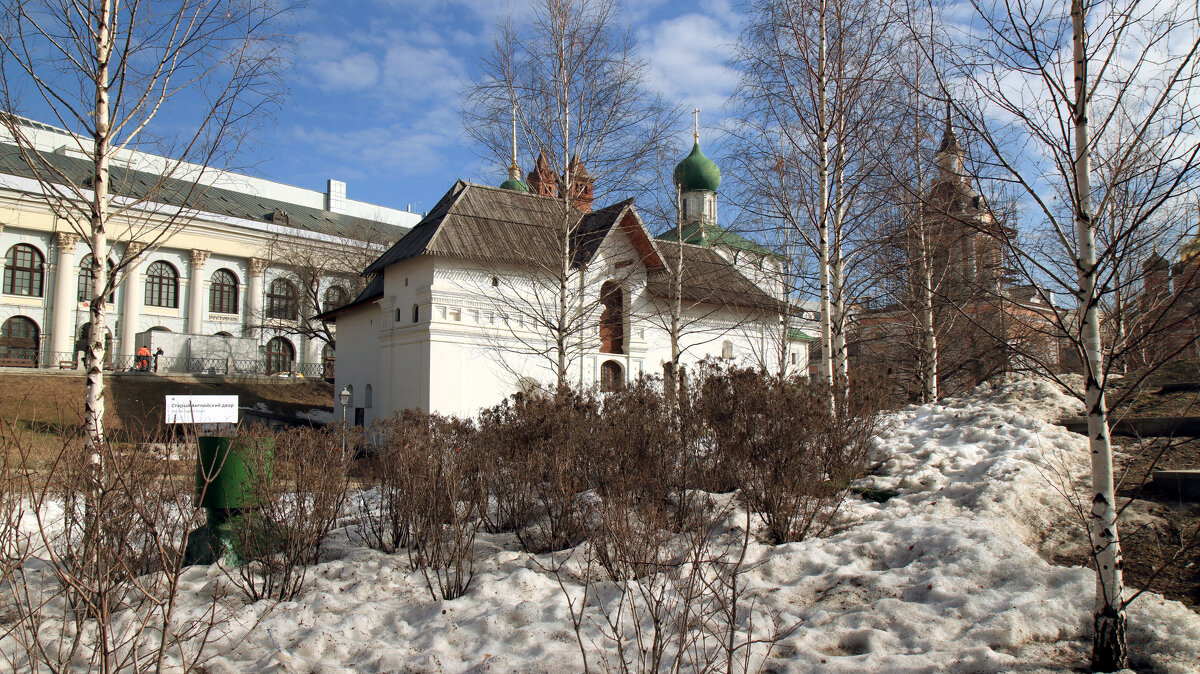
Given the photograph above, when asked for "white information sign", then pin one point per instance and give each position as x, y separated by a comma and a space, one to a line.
202, 409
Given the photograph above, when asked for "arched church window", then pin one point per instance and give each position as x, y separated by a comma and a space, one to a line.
283, 301
612, 376
19, 341
612, 318
280, 355
335, 296
23, 270
162, 286
223, 292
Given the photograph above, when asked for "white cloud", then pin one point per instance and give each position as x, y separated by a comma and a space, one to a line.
688, 58
354, 71
413, 70
419, 146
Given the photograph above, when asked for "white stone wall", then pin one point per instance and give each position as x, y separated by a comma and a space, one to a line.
475, 342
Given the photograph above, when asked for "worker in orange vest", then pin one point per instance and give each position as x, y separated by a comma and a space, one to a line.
143, 359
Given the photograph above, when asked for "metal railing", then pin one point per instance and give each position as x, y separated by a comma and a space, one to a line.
67, 360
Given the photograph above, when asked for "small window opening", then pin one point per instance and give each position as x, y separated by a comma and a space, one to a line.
416, 313
495, 281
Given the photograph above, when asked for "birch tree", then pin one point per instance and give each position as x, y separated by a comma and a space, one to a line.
1043, 87
572, 78
111, 72
809, 79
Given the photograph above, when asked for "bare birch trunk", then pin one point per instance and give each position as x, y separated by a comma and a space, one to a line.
929, 345
1109, 620
93, 419
676, 300
823, 205
841, 365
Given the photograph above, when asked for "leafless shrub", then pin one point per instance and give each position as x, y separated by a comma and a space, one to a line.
675, 602
542, 475
443, 501
506, 475
380, 521
789, 453
91, 543
298, 482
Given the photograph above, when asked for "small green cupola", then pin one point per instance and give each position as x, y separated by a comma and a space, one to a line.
514, 181
697, 172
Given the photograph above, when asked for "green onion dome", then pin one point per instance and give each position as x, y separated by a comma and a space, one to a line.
697, 172
514, 185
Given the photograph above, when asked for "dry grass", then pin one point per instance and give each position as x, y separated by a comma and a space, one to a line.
45, 407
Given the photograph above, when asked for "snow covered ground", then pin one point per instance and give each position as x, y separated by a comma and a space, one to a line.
944, 577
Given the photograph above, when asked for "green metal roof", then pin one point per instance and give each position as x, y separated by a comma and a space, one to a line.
709, 234
798, 335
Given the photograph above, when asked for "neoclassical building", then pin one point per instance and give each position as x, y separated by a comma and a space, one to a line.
464, 309
219, 289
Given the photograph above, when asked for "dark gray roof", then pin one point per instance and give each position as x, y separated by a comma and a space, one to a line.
491, 224
220, 201
707, 278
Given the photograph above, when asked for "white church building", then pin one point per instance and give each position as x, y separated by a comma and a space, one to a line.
465, 309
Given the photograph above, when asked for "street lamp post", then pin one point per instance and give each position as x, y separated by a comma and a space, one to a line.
345, 398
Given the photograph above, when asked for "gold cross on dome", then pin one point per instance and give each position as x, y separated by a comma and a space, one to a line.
696, 115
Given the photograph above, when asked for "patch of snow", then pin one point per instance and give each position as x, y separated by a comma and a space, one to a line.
946, 576
316, 415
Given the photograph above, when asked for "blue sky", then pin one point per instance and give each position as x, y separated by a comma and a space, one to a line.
374, 90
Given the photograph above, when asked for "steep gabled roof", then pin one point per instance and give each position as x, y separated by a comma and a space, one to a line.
477, 222
707, 278
595, 227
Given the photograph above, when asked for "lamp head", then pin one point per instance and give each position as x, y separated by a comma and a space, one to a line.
345, 396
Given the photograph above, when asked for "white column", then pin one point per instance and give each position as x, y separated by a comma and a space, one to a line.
253, 314
62, 327
195, 315
131, 300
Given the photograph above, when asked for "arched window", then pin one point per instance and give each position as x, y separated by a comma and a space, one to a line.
282, 300
159, 328
612, 319
328, 360
280, 355
87, 276
367, 397
19, 342
222, 334
727, 349
23, 271
611, 376
416, 313
162, 286
335, 296
223, 292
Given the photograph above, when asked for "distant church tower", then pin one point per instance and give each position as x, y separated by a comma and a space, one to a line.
698, 178
968, 240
